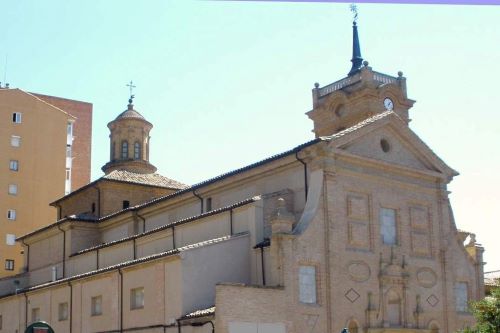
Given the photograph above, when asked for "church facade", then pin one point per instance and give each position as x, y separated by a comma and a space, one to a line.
353, 229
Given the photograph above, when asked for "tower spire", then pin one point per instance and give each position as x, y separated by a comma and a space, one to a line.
356, 60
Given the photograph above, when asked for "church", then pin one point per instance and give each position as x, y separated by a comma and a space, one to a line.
353, 229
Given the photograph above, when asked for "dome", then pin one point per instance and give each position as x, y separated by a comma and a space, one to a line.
130, 113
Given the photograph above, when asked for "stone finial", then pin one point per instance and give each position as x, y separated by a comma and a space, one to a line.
316, 85
472, 240
400, 74
365, 63
282, 220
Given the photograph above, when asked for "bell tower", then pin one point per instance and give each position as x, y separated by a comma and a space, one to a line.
361, 95
129, 142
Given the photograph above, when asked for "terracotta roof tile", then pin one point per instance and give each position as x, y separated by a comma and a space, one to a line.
153, 179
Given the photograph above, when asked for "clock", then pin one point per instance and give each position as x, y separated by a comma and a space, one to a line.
389, 105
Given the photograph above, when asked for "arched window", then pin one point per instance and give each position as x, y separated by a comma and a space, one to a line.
124, 149
434, 328
137, 150
393, 308
353, 326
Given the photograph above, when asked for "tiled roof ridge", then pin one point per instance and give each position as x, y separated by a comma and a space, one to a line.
199, 313
130, 263
137, 178
169, 225
361, 124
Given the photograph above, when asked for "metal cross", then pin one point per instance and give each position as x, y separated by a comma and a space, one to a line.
131, 87
354, 10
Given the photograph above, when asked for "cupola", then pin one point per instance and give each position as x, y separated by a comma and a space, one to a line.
129, 142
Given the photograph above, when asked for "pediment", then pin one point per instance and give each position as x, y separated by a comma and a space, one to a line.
388, 139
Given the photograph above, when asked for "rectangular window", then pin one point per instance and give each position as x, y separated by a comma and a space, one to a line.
70, 128
68, 174
12, 189
10, 239
209, 204
461, 296
14, 165
9, 264
63, 311
15, 141
388, 228
96, 306
68, 151
125, 204
307, 284
1, 322
137, 298
17, 117
11, 214
35, 315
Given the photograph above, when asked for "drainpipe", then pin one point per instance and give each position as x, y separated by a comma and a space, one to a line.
97, 259
135, 251
26, 310
70, 306
98, 201
121, 299
201, 200
231, 222
201, 324
64, 251
262, 265
178, 326
173, 237
143, 220
305, 172
27, 255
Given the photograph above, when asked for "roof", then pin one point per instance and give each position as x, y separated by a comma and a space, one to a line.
169, 225
152, 179
492, 278
199, 313
145, 179
132, 262
130, 113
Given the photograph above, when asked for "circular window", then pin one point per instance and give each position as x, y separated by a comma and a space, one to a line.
384, 144
340, 111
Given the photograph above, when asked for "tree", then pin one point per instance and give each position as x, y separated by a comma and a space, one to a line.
487, 313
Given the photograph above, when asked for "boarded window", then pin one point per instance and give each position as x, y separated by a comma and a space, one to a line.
137, 298
307, 284
96, 306
35, 314
461, 296
63, 311
388, 229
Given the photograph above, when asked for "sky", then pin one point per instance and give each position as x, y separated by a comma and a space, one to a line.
227, 83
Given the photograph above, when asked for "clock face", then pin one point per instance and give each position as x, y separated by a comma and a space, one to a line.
389, 105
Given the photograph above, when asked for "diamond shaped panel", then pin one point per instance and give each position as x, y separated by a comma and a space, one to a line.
351, 295
432, 300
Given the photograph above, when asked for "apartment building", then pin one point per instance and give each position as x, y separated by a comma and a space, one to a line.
44, 153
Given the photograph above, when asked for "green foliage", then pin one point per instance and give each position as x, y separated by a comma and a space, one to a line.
487, 314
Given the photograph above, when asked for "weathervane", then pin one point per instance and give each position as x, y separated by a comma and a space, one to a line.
354, 10
131, 87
